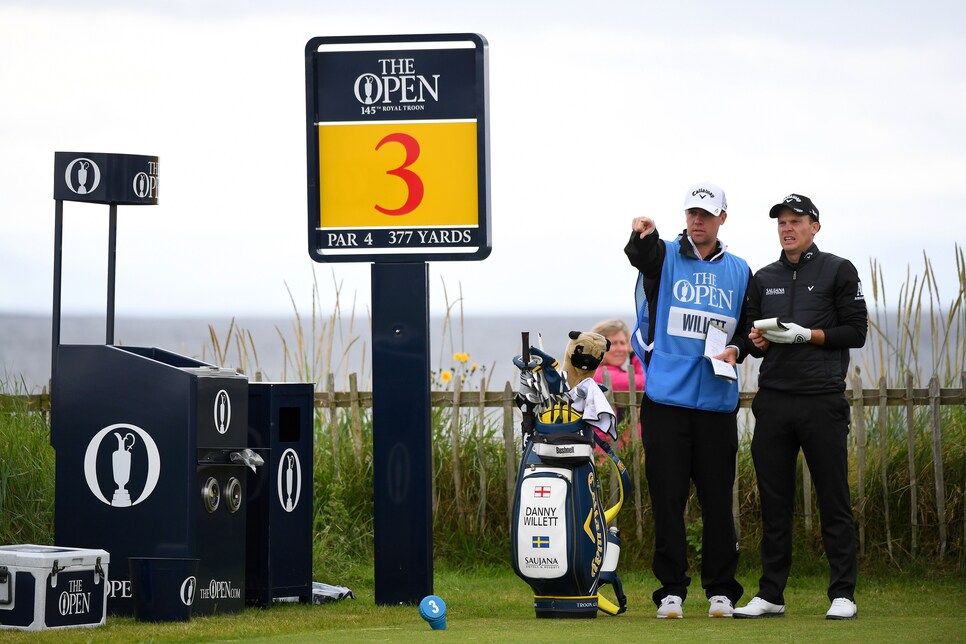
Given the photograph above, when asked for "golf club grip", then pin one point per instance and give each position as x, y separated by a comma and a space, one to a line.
525, 354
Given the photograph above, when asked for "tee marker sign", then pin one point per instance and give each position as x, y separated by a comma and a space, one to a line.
398, 148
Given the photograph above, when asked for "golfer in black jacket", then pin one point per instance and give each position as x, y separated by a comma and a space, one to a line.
801, 404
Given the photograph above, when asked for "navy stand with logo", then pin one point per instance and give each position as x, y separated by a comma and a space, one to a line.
112, 179
151, 446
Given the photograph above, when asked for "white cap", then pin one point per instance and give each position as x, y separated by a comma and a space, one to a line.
707, 196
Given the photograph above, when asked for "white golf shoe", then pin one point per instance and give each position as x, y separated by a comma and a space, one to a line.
842, 608
758, 607
670, 608
721, 606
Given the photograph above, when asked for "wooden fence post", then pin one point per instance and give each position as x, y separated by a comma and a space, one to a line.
355, 418
859, 422
911, 453
455, 444
636, 442
937, 462
333, 423
510, 449
883, 456
481, 453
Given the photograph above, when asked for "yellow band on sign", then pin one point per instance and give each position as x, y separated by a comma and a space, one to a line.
398, 175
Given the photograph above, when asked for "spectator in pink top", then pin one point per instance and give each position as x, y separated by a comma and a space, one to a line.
615, 360
616, 364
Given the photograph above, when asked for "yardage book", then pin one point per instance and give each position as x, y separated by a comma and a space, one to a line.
714, 344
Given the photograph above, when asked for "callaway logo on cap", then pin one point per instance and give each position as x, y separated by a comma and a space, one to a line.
706, 196
798, 203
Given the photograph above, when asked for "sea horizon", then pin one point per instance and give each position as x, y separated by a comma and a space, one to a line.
490, 341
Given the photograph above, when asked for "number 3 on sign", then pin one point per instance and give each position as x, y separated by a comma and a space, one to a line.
413, 183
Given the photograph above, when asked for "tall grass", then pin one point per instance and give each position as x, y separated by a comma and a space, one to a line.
922, 324
316, 345
26, 473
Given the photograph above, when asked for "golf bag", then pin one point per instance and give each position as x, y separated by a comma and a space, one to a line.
559, 538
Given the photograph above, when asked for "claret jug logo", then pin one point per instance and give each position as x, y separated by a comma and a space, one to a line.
145, 184
396, 85
222, 411
188, 587
82, 176
289, 480
125, 469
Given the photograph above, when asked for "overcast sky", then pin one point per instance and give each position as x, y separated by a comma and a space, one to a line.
599, 111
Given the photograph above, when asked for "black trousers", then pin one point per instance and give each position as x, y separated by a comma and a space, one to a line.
681, 445
819, 425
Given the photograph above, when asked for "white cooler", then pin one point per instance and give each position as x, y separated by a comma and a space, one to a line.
51, 587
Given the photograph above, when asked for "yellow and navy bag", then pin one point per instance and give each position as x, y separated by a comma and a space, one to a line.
559, 538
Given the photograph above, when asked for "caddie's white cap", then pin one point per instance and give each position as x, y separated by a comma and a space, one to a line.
707, 196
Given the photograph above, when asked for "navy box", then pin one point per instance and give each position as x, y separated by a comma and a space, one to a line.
280, 512
147, 465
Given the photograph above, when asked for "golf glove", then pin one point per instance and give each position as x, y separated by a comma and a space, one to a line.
791, 334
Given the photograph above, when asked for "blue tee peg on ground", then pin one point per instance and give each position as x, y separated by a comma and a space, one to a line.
433, 609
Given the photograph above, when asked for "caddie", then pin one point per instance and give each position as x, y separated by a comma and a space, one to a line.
688, 415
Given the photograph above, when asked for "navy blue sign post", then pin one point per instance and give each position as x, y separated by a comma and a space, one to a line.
398, 155
112, 179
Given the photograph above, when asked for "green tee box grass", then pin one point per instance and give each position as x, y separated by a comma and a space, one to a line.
494, 606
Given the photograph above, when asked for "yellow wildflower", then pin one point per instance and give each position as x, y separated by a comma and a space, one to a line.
446, 376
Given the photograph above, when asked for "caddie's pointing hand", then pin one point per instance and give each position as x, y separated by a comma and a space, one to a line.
642, 225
